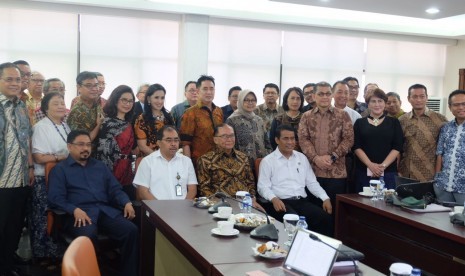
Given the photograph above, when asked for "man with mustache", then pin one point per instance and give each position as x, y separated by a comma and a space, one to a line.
165, 173
86, 190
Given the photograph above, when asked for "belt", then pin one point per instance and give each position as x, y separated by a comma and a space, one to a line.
293, 198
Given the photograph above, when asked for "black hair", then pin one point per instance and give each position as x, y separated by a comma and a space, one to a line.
148, 115
393, 94
417, 86
453, 93
21, 62
286, 96
311, 84
234, 88
283, 127
187, 84
111, 107
271, 85
351, 79
205, 78
6, 65
85, 75
217, 128
161, 131
75, 133
46, 100
376, 93
339, 82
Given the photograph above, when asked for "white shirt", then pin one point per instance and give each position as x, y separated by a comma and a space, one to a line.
47, 140
284, 178
354, 115
160, 175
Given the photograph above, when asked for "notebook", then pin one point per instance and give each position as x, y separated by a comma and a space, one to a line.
417, 190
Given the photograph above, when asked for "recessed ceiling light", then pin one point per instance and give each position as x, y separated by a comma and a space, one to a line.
432, 10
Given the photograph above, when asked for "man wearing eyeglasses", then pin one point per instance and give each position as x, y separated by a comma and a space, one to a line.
232, 106
16, 167
165, 173
308, 95
25, 70
87, 113
34, 94
450, 160
270, 109
225, 169
326, 136
192, 94
87, 191
354, 89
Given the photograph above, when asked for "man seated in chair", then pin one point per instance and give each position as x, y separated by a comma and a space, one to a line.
86, 189
225, 169
284, 174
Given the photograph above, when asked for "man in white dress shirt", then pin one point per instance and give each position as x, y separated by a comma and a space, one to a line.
284, 174
165, 173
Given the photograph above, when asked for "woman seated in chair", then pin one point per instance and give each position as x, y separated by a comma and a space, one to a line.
48, 145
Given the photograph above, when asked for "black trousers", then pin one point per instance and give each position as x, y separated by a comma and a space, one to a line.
317, 219
13, 205
119, 229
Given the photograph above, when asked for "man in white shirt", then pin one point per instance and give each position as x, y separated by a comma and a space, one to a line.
165, 173
284, 174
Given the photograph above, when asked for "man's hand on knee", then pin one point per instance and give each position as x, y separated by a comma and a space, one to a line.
81, 218
278, 204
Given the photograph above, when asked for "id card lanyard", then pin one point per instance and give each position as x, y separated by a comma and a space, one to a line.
178, 186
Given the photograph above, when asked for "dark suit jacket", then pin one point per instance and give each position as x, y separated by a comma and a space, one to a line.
137, 110
92, 188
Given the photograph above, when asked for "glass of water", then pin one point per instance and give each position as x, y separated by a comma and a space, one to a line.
374, 187
290, 221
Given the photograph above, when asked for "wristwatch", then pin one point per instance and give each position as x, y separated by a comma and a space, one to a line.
333, 158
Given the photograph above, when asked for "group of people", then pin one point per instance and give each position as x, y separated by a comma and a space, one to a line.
292, 158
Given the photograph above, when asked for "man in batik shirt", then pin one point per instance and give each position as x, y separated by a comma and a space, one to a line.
225, 169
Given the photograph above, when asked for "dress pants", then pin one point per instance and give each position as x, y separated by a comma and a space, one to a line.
317, 219
12, 212
119, 229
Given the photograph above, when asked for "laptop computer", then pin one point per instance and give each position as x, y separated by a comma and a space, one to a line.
417, 190
309, 257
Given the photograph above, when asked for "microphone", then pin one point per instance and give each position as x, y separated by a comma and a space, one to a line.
267, 231
316, 238
222, 203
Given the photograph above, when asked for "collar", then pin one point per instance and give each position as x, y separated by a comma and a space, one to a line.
265, 107
200, 105
4, 100
316, 109
277, 153
426, 113
157, 154
71, 162
186, 104
220, 151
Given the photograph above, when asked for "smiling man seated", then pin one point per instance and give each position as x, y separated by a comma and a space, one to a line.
86, 189
165, 173
284, 174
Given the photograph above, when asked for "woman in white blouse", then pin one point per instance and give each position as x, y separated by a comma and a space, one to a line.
48, 145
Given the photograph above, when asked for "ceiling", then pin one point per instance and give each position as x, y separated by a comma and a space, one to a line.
406, 17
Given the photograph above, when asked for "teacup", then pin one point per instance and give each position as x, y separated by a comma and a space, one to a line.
366, 190
224, 212
225, 226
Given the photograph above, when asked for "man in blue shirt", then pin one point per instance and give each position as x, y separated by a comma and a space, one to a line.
450, 157
85, 188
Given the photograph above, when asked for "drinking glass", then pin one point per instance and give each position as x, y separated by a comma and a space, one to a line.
290, 221
374, 186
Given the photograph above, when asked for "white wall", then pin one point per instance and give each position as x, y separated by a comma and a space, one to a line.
455, 60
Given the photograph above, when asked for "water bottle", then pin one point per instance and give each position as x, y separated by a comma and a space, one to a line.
302, 223
416, 272
381, 187
247, 203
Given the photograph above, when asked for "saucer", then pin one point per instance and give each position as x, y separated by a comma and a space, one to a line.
217, 216
366, 194
216, 231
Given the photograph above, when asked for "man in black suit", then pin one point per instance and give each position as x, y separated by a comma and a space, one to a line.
139, 106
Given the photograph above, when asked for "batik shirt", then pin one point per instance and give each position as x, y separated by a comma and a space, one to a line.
451, 146
228, 173
421, 135
82, 117
15, 133
268, 115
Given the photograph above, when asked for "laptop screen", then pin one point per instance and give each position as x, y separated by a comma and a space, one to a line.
309, 257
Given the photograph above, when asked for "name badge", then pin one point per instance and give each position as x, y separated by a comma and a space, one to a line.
178, 190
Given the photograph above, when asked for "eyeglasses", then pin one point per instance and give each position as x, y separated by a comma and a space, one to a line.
458, 104
11, 80
38, 80
308, 93
226, 136
102, 84
418, 97
81, 145
126, 101
192, 91
353, 86
171, 140
90, 85
270, 93
321, 94
250, 101
28, 75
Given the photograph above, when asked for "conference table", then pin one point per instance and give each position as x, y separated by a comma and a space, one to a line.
176, 239
388, 234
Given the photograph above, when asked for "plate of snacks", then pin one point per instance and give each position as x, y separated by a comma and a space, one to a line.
249, 221
203, 202
269, 250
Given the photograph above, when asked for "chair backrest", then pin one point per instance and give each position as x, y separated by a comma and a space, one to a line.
50, 219
48, 167
80, 259
257, 168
